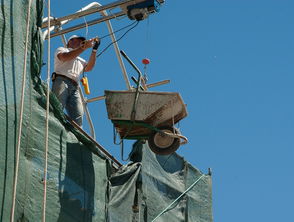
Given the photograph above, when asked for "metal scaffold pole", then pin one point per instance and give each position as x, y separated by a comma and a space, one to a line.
54, 26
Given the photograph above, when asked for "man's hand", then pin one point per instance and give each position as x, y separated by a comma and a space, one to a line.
92, 60
96, 43
87, 44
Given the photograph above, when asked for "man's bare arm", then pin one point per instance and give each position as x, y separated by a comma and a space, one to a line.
66, 56
91, 62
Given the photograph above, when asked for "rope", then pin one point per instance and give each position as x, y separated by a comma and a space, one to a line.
147, 49
47, 121
21, 115
147, 45
86, 27
186, 191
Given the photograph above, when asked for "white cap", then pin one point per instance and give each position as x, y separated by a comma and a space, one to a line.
76, 37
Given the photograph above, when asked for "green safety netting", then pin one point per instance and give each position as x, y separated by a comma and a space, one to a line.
152, 182
82, 184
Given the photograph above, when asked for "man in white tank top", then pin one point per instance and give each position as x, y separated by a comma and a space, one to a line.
68, 67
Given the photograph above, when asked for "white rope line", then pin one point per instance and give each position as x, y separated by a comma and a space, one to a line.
21, 115
47, 120
147, 45
87, 28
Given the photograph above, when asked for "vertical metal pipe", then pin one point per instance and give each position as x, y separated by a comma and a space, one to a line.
116, 48
88, 116
110, 29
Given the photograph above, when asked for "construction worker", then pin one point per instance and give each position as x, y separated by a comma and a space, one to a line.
68, 67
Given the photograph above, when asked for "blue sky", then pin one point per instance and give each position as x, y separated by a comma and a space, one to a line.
232, 62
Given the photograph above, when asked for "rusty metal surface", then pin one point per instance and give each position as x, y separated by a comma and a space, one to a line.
164, 105
127, 130
154, 108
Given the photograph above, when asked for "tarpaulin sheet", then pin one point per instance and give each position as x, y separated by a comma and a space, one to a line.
165, 178
76, 179
82, 184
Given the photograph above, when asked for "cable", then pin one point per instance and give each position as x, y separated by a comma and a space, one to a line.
117, 40
21, 114
87, 29
46, 5
118, 30
47, 121
147, 48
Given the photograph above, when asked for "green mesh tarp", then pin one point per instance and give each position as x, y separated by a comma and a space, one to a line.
76, 178
153, 182
82, 184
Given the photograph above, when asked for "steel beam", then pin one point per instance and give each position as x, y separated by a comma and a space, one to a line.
76, 15
90, 23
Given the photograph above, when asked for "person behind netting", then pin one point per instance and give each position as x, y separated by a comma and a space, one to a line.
68, 67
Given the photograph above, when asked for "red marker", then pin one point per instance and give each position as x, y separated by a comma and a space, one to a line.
146, 61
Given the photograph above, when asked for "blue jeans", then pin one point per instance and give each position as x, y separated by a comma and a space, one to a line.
69, 96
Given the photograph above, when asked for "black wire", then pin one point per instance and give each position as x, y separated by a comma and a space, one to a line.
117, 39
118, 30
107, 36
